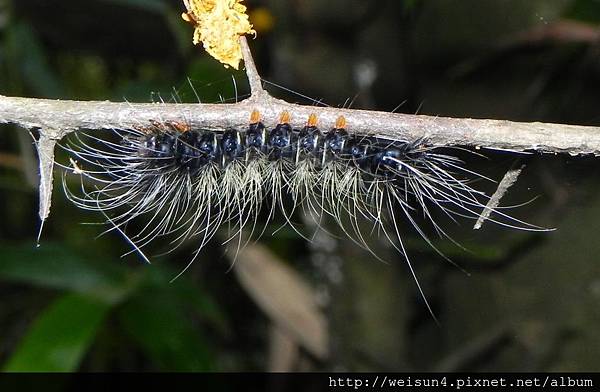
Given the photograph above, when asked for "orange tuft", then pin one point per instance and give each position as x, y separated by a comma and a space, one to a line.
179, 126
255, 117
285, 117
312, 120
340, 123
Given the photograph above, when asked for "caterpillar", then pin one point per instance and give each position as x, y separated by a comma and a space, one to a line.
185, 183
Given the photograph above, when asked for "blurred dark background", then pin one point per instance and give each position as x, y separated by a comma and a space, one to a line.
530, 303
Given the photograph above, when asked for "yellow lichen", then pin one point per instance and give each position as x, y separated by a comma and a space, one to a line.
218, 24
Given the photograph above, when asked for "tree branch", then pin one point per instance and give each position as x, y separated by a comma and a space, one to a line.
56, 118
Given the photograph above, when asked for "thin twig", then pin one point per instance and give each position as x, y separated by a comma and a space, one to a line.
256, 89
507, 181
45, 147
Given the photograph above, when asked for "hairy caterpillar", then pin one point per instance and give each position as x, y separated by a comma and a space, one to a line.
186, 183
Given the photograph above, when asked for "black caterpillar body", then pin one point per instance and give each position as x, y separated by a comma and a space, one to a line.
169, 148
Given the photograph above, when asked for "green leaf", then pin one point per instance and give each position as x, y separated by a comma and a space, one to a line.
159, 323
53, 266
202, 303
60, 337
184, 291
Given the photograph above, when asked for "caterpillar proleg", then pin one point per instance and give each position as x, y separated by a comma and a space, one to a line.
185, 183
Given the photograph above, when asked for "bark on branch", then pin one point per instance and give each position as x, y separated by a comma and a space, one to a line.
56, 118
